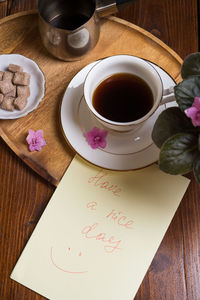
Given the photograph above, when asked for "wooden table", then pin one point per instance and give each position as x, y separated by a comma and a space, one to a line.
175, 271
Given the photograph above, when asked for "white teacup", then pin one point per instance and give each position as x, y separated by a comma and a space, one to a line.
125, 64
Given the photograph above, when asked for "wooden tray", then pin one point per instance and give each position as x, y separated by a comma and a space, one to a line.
19, 34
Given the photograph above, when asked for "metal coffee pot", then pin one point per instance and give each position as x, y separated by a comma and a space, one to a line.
71, 28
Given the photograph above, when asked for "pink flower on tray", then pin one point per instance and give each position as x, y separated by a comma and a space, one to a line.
35, 140
96, 138
194, 112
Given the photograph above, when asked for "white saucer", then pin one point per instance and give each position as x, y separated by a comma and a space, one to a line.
37, 84
124, 151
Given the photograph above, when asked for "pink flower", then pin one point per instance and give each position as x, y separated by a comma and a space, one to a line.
96, 138
35, 140
194, 112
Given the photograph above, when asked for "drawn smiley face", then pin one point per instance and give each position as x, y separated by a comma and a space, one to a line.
63, 269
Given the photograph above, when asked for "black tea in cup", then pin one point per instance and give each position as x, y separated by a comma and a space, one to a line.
123, 97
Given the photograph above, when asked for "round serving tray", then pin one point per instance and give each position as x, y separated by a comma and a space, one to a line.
19, 34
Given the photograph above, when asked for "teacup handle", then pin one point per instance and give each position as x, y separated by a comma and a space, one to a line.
168, 95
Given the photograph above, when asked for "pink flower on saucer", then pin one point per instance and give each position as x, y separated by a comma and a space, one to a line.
35, 140
194, 112
96, 138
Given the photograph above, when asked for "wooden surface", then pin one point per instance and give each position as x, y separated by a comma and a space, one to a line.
117, 37
175, 269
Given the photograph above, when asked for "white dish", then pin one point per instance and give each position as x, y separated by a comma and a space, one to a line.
37, 83
124, 151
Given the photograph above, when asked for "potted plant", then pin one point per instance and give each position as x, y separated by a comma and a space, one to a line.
177, 130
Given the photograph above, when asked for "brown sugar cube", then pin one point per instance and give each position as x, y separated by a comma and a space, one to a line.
23, 91
7, 76
12, 93
1, 98
1, 75
6, 86
6, 83
7, 103
21, 78
20, 102
15, 68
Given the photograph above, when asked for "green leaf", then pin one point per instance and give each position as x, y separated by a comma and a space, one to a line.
186, 90
170, 121
196, 168
177, 153
191, 65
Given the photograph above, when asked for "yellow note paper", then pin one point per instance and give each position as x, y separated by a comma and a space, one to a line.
99, 233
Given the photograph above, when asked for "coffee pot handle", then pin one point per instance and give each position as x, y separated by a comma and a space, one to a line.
121, 2
108, 7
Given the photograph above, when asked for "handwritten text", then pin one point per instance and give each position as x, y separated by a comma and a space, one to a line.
120, 219
99, 181
111, 244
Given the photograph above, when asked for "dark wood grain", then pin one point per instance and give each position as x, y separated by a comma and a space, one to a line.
174, 272
174, 22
